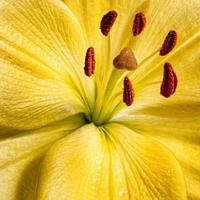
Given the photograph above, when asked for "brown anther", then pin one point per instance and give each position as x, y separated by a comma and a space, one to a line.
139, 23
169, 83
125, 60
89, 62
107, 22
128, 93
169, 43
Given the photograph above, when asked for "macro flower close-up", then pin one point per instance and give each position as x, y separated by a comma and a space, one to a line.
99, 100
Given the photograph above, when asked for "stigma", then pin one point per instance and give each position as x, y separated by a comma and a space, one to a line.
125, 60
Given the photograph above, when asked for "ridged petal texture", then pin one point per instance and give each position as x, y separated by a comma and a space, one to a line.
22, 154
35, 40
148, 151
114, 163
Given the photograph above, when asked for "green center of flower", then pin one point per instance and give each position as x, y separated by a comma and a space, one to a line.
108, 99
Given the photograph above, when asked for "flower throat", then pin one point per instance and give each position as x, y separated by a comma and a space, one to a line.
126, 61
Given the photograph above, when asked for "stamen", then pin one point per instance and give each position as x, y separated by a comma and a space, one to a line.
169, 43
107, 22
169, 82
128, 93
125, 60
89, 62
139, 23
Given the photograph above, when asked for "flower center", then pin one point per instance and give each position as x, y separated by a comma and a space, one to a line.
108, 100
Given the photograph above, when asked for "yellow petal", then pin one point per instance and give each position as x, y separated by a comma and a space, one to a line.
42, 50
42, 36
150, 167
163, 16
109, 163
21, 156
179, 133
90, 12
72, 166
28, 101
175, 121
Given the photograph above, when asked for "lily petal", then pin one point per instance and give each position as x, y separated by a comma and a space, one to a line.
161, 18
42, 33
21, 156
175, 122
72, 165
109, 163
28, 101
89, 13
41, 58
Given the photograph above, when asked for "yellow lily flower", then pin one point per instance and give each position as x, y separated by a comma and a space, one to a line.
86, 112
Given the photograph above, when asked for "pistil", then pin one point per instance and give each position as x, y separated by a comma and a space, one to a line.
125, 60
